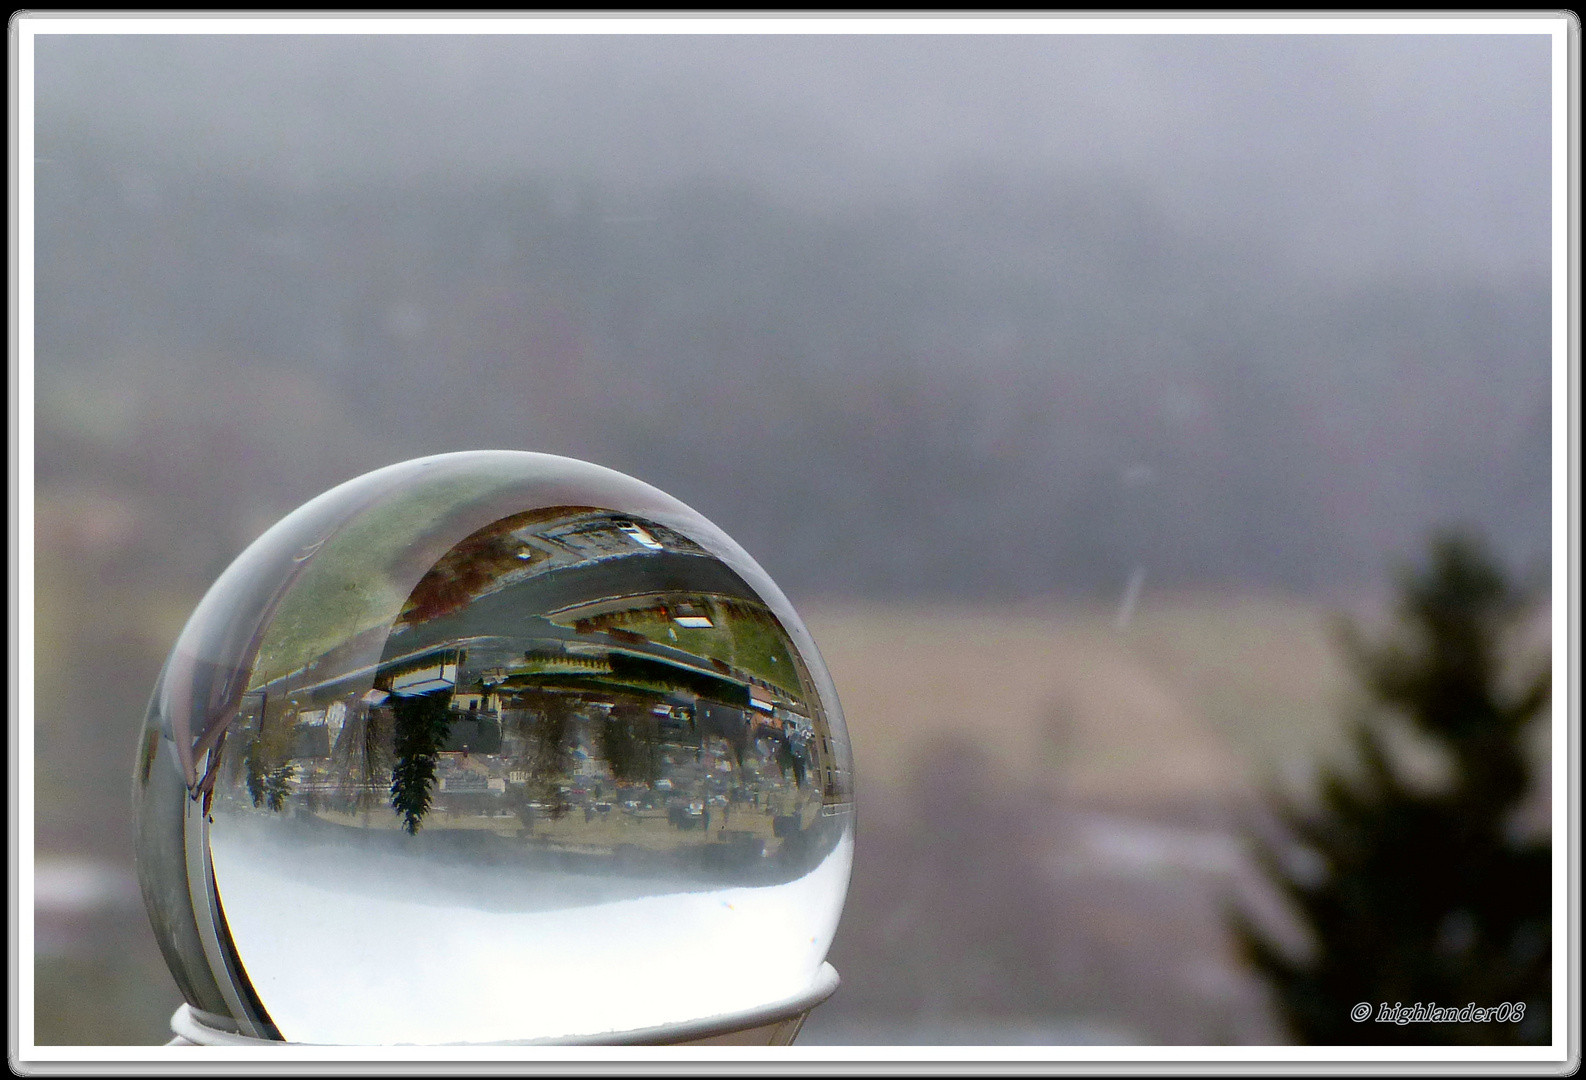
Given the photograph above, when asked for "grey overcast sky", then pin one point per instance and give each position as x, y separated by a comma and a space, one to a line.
1359, 155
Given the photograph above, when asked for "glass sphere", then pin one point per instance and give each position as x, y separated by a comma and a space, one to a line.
487, 747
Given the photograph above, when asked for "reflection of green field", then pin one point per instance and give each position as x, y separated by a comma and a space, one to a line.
347, 588
751, 644
635, 677
605, 686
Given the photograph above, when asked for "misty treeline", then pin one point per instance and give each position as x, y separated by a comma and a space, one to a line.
1000, 391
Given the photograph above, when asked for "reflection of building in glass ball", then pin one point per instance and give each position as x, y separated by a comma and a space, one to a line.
486, 747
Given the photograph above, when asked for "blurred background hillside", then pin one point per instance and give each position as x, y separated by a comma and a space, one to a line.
1068, 385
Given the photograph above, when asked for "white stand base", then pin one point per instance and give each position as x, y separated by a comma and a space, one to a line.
776, 1024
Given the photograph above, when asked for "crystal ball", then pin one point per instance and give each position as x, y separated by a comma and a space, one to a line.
490, 747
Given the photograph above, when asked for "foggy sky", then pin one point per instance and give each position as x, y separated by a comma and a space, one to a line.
854, 298
1360, 155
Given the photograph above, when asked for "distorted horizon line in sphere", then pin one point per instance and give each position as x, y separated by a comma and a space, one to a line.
492, 746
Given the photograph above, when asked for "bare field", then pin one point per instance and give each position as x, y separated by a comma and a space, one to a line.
1198, 696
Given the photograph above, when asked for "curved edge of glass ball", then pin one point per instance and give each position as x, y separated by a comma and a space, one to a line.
421, 548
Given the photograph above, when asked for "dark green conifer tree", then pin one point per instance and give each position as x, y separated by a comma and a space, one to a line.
1411, 890
420, 727
630, 742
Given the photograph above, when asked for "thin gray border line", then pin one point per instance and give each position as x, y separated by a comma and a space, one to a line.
1573, 374
1572, 465
1572, 1043
690, 1066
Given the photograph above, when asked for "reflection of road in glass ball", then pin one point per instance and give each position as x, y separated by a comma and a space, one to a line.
492, 746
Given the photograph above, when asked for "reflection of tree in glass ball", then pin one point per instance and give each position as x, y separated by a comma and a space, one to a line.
492, 746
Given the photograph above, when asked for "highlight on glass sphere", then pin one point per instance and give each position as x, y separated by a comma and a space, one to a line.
492, 747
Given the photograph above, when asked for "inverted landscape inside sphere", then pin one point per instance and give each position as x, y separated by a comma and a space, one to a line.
492, 747
568, 679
